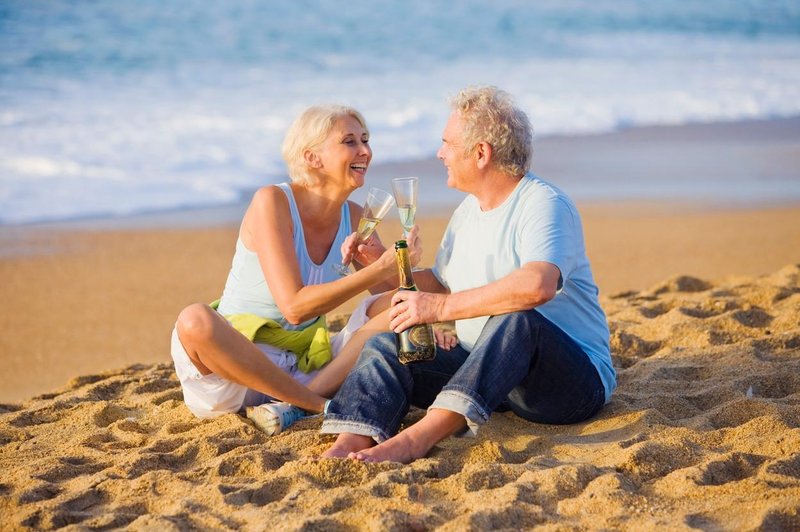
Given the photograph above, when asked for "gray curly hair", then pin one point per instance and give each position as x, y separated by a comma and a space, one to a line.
489, 115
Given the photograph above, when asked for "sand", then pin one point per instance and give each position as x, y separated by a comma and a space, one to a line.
81, 301
703, 433
703, 303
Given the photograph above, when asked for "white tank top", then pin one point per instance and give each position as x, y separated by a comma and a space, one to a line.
246, 290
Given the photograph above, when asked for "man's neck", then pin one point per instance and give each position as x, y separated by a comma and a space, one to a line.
495, 188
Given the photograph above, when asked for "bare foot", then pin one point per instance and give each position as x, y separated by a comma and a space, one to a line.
400, 448
416, 441
348, 443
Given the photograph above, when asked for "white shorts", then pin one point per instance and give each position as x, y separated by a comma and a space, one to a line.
211, 395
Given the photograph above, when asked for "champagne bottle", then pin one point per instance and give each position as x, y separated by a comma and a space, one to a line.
417, 343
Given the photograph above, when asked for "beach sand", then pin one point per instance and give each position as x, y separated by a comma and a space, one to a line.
703, 303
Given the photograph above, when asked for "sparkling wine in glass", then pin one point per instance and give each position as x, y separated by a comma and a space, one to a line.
366, 226
407, 213
375, 208
405, 194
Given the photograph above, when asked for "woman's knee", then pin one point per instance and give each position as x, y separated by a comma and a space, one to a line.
379, 304
195, 323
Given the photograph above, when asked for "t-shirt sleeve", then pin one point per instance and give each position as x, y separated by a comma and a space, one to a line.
548, 233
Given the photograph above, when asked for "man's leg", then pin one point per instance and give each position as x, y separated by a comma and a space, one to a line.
498, 360
376, 395
525, 358
514, 354
372, 401
562, 385
415, 441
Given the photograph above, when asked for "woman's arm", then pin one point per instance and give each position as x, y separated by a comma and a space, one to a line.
365, 253
268, 227
360, 255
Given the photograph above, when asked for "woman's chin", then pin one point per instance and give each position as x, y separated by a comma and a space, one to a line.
358, 181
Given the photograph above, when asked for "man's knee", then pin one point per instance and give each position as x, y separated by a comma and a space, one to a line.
381, 346
522, 318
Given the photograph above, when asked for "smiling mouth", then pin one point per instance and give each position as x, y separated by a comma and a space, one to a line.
362, 167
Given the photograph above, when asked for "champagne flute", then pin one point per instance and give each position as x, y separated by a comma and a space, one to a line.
405, 194
375, 208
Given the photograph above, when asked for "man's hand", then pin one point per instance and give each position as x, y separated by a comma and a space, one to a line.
411, 308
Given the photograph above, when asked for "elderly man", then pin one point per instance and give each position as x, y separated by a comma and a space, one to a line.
512, 272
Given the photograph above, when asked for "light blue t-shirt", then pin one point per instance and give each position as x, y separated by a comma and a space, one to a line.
246, 290
537, 222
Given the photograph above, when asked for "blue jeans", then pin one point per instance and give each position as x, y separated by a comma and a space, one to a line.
521, 361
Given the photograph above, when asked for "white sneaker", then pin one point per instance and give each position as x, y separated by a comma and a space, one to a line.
273, 418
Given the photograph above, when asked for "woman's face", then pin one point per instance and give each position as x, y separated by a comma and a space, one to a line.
345, 154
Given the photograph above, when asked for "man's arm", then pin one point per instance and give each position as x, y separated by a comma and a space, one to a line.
426, 281
534, 284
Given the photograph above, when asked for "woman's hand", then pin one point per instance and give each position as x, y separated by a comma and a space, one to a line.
349, 248
369, 251
446, 340
414, 245
364, 253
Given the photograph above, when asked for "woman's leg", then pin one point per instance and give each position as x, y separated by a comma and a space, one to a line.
215, 347
331, 377
380, 304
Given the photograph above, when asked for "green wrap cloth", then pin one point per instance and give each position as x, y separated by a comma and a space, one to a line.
312, 345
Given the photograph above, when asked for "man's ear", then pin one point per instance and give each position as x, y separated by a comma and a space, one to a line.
312, 159
483, 154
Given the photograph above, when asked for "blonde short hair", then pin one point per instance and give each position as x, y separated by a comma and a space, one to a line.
308, 132
489, 114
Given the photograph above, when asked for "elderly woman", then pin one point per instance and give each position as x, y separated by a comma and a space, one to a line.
267, 339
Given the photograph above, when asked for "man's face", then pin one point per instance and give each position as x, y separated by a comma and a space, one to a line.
460, 166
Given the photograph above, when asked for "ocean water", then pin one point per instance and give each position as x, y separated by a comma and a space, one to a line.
131, 106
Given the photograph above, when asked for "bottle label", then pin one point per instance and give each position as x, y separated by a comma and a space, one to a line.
416, 344
420, 336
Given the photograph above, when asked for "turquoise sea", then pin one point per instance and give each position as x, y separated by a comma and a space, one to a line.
109, 108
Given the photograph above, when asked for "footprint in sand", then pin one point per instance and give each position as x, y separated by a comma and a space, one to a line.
341, 503
731, 468
71, 467
265, 493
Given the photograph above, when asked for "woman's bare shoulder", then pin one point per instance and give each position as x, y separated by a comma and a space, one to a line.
269, 195
268, 206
